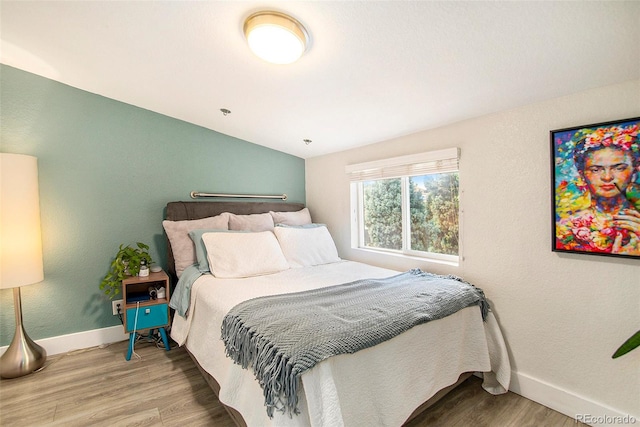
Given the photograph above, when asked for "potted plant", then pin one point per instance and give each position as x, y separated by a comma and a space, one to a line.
127, 262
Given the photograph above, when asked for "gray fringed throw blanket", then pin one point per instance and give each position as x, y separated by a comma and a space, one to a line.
281, 336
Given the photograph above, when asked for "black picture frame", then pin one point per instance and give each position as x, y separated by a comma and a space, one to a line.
595, 181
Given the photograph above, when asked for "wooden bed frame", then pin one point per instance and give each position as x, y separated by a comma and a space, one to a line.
179, 211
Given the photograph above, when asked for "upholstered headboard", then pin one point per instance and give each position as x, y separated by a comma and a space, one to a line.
180, 211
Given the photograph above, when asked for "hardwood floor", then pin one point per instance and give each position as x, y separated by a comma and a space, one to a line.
97, 387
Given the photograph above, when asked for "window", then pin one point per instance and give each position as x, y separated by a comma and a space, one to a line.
408, 205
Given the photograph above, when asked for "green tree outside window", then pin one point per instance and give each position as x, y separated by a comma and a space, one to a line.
433, 209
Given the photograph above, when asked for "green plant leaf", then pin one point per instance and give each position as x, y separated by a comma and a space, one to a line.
129, 258
628, 345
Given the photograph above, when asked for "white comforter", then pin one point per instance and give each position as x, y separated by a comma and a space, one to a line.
378, 386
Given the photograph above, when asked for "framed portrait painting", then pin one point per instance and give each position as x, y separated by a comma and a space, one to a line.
596, 189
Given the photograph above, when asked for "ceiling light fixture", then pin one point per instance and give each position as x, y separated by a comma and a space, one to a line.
275, 37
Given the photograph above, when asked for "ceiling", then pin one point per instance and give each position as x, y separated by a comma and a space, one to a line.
375, 70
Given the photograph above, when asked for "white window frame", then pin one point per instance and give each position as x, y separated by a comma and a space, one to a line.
404, 167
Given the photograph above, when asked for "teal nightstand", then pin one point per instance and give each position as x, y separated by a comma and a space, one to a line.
141, 312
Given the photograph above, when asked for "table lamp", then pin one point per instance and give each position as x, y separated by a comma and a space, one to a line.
20, 254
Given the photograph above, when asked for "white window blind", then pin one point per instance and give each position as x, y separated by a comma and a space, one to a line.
440, 161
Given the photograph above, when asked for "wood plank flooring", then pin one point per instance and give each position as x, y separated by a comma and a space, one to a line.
97, 387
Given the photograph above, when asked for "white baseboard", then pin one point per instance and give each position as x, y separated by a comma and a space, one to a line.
549, 395
568, 403
79, 340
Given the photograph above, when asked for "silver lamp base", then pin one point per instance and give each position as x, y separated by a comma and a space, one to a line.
23, 355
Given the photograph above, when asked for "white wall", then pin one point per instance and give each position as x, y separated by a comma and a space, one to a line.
562, 315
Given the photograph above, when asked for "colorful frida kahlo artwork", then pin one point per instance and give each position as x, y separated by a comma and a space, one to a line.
596, 180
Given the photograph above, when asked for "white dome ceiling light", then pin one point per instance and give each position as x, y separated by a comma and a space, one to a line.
276, 37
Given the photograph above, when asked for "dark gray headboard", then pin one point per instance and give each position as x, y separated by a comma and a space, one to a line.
180, 211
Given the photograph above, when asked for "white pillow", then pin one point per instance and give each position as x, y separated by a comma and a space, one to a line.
306, 246
300, 217
181, 244
251, 222
235, 255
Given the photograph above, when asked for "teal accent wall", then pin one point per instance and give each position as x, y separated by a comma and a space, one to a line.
106, 171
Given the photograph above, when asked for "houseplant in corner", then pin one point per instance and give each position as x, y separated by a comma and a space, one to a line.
127, 262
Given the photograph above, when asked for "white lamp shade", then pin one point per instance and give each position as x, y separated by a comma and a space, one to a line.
20, 235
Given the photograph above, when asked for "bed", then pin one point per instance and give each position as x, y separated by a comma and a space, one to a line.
383, 385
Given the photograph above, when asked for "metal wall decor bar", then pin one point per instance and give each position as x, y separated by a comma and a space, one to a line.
197, 194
